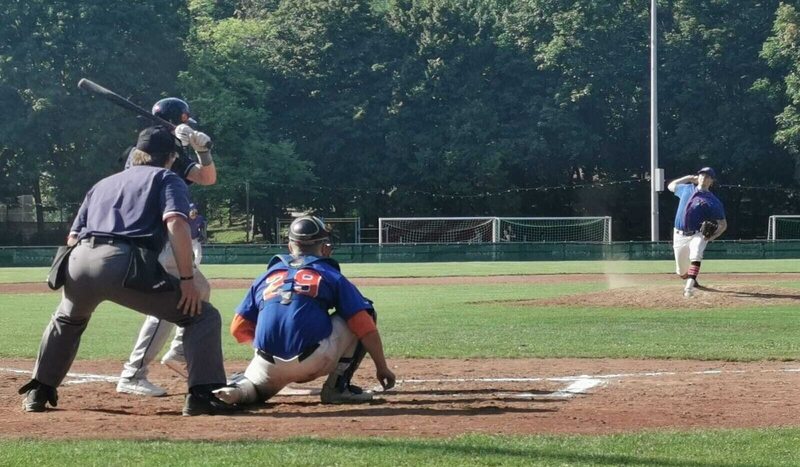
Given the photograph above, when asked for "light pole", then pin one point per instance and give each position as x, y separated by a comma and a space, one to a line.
656, 174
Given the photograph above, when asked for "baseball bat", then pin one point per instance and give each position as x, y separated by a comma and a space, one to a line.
95, 88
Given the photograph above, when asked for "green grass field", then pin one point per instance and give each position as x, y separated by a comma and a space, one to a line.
248, 271
457, 321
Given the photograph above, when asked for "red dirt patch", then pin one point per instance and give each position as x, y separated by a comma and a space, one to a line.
436, 398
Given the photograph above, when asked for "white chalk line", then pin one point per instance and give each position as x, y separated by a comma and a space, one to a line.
580, 384
74, 378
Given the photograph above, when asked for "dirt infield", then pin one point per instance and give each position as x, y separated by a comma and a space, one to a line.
435, 398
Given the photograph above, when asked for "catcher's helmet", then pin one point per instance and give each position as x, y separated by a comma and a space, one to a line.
308, 230
171, 109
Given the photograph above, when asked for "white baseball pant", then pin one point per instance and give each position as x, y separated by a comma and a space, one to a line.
267, 379
687, 248
155, 332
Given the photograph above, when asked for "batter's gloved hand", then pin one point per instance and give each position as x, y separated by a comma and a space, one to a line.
200, 141
708, 228
184, 132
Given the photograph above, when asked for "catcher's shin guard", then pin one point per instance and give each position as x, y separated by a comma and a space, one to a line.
347, 366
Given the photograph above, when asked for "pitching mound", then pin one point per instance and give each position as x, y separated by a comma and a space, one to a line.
670, 297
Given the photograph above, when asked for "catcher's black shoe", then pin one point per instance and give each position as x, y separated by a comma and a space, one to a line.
204, 402
37, 395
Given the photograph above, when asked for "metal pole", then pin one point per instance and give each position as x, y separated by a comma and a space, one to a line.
247, 207
653, 123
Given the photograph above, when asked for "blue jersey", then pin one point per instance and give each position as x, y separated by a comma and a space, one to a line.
133, 204
290, 302
696, 206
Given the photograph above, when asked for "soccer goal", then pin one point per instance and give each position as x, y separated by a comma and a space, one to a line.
345, 229
554, 229
436, 230
493, 229
783, 227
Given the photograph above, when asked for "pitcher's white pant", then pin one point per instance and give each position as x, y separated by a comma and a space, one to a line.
155, 332
687, 248
269, 378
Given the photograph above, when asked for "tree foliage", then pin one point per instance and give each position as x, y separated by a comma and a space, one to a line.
417, 107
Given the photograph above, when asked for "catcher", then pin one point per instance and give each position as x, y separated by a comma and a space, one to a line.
285, 317
700, 219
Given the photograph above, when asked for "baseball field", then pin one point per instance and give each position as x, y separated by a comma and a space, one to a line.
534, 363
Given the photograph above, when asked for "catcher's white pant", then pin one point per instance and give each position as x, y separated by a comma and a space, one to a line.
269, 378
155, 332
687, 248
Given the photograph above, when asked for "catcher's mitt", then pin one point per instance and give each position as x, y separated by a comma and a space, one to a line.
708, 228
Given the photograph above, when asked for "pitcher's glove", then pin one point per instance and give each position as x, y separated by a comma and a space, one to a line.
708, 228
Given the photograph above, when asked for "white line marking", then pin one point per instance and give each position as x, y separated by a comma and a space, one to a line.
76, 378
581, 384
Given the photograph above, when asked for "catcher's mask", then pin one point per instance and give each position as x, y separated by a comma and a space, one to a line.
172, 109
309, 230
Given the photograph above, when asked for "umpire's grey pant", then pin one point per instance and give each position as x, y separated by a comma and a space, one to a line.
94, 275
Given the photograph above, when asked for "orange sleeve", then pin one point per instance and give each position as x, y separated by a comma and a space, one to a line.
361, 324
242, 330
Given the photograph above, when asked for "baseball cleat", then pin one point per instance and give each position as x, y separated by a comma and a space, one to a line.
688, 293
350, 395
176, 362
140, 387
207, 404
37, 395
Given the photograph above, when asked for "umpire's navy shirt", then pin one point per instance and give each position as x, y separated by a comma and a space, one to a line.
133, 204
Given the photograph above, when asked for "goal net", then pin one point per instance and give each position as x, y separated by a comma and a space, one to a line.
493, 229
436, 230
554, 229
783, 227
345, 229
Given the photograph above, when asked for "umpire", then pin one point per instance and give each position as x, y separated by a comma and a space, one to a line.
123, 223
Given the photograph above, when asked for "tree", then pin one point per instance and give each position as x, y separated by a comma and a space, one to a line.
60, 142
230, 90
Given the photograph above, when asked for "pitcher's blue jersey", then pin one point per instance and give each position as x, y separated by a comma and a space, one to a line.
696, 206
290, 302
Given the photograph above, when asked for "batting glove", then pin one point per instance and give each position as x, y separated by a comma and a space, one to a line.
184, 132
200, 141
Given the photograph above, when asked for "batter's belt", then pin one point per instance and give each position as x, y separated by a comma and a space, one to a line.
300, 357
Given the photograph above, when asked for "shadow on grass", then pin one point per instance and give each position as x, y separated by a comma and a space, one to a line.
741, 293
471, 451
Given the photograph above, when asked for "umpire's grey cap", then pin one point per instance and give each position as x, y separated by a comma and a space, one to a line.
308, 230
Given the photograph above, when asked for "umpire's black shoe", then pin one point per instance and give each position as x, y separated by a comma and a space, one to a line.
204, 402
37, 395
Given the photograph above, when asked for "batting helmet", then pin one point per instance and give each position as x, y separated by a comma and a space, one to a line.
171, 109
308, 230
